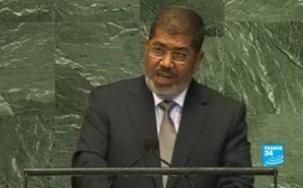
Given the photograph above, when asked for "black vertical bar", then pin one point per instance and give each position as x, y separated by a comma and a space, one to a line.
25, 185
276, 178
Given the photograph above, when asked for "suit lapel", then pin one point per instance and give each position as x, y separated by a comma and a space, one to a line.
193, 117
142, 113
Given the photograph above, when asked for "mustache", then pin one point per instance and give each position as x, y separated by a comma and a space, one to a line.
166, 72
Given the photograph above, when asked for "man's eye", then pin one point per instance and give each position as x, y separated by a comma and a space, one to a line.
158, 50
180, 55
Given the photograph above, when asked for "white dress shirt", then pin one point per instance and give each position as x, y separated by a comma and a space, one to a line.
175, 113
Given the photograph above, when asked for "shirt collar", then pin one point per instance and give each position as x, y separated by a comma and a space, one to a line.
179, 99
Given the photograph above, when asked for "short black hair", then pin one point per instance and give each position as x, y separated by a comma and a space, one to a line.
180, 20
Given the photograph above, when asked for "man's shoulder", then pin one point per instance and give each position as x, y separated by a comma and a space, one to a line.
117, 87
215, 97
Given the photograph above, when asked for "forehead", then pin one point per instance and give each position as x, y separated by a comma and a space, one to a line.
171, 40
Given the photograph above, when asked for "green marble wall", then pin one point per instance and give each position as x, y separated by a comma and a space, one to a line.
52, 52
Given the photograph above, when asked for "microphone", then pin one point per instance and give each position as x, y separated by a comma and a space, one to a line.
153, 145
150, 145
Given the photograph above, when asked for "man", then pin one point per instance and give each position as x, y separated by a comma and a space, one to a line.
201, 128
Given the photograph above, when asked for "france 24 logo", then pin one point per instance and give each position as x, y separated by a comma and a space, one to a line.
272, 155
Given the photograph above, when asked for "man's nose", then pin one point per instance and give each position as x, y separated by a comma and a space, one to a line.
167, 60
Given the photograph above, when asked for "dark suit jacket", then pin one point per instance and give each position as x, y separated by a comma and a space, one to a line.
120, 116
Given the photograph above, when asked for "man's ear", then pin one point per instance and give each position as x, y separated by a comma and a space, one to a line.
198, 60
146, 40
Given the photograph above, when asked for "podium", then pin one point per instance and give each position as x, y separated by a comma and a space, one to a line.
151, 171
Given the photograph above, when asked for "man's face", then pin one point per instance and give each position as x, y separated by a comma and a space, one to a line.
170, 62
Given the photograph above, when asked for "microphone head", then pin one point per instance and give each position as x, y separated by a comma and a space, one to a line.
151, 144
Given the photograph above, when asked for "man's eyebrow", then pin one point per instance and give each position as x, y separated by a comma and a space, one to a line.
158, 43
181, 49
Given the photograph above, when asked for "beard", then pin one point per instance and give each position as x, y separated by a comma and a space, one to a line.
166, 91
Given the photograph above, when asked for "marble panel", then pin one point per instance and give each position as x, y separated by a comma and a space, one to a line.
99, 11
264, 65
27, 98
100, 52
263, 11
284, 128
27, 11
